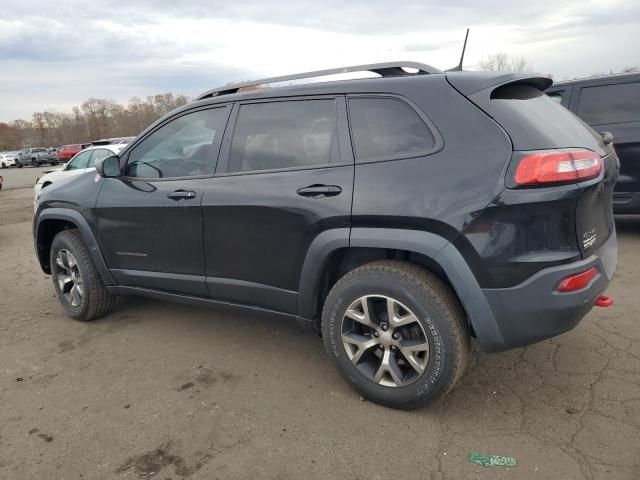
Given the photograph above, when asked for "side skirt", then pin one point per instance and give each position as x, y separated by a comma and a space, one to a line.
199, 301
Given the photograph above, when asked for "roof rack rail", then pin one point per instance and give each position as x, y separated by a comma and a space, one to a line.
387, 69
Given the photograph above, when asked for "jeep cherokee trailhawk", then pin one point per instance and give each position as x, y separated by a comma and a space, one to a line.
398, 215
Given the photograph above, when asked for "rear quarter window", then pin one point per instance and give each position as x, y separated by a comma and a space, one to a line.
534, 121
387, 128
605, 104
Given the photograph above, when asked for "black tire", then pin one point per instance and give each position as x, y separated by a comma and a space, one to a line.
4, 165
96, 300
19, 165
438, 312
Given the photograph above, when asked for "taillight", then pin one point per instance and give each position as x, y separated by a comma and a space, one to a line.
577, 281
558, 166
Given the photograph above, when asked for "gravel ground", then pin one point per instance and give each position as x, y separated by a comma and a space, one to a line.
159, 390
22, 177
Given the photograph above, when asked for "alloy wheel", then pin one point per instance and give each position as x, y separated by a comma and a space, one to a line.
385, 341
68, 276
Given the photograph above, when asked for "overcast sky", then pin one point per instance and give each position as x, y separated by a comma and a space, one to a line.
56, 54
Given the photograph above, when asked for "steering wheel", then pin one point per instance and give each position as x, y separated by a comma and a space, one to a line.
153, 167
190, 167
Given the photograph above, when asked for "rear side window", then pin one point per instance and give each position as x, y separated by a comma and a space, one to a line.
290, 134
387, 128
604, 104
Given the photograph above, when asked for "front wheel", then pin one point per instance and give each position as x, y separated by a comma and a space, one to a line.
75, 278
396, 333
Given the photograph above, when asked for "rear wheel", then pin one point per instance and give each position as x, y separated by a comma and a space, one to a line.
396, 333
76, 279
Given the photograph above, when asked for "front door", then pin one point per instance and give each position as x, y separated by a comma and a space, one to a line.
285, 177
150, 219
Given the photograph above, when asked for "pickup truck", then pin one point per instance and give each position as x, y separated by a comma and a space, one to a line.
36, 157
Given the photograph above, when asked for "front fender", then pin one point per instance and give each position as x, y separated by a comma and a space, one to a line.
76, 218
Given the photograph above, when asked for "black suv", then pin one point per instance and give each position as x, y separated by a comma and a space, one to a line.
398, 215
611, 103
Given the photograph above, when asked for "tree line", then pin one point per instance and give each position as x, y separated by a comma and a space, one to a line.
96, 118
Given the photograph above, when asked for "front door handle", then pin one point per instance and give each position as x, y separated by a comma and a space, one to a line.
320, 191
181, 194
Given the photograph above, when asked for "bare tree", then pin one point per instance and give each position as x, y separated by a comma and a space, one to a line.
95, 118
501, 61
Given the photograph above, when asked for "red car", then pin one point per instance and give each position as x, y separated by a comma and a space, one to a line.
68, 151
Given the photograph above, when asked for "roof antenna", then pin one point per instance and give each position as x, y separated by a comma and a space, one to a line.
458, 68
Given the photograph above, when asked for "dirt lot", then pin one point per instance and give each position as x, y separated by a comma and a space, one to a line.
159, 390
22, 177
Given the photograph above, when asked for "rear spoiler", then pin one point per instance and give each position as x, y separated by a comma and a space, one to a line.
468, 83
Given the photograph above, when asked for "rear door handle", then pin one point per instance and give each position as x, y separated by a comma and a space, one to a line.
319, 191
181, 194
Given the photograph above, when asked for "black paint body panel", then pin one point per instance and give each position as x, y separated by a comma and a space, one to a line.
252, 239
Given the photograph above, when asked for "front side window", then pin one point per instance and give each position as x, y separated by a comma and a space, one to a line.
387, 128
185, 147
79, 161
289, 134
99, 154
604, 104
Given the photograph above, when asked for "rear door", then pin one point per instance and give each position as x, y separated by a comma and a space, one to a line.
149, 219
285, 177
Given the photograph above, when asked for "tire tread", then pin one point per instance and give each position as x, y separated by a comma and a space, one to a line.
100, 300
440, 296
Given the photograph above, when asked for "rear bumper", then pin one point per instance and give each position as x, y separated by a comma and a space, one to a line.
534, 310
626, 203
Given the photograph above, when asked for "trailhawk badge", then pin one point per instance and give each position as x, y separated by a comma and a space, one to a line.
589, 238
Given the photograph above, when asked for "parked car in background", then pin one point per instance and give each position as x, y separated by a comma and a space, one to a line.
66, 152
398, 215
611, 104
80, 163
30, 156
36, 156
113, 141
8, 159
50, 157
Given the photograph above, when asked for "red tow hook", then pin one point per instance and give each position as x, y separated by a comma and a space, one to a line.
603, 301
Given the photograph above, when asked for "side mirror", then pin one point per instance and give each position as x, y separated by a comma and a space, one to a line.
109, 166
